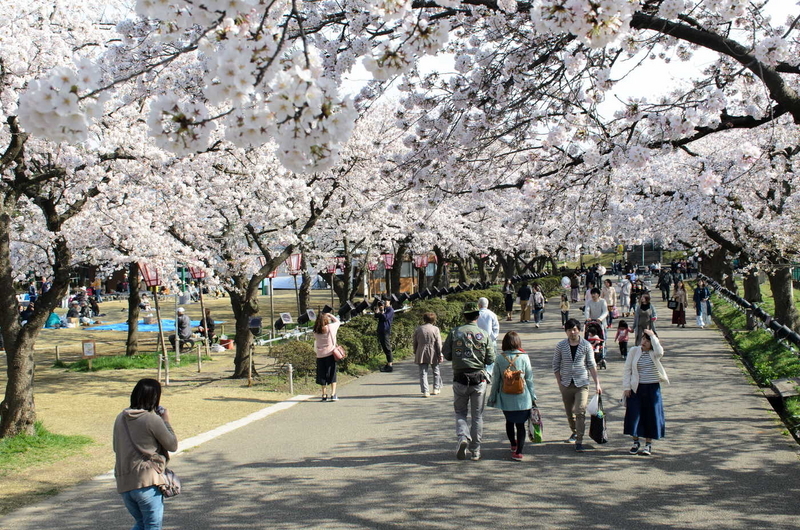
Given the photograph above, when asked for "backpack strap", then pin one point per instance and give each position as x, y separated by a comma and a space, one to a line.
510, 362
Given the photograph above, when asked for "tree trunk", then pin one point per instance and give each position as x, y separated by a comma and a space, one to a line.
305, 287
481, 263
752, 293
495, 273
507, 261
780, 282
134, 283
245, 306
394, 276
462, 272
18, 410
439, 279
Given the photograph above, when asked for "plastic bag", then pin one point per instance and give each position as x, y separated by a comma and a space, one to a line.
535, 426
593, 406
223, 337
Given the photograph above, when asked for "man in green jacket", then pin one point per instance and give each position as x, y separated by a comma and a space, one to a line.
470, 349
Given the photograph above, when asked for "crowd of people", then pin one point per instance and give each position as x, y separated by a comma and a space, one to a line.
143, 436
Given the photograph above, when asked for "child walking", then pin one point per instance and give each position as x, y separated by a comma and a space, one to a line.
622, 338
564, 309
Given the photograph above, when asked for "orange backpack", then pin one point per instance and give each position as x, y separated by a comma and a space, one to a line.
513, 382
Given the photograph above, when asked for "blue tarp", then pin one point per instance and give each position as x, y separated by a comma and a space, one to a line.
166, 323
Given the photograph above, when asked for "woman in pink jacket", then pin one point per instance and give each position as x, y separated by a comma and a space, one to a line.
325, 329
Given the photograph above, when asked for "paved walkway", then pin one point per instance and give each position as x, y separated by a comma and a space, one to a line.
383, 457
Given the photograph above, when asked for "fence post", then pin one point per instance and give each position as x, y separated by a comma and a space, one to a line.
199, 360
291, 379
58, 353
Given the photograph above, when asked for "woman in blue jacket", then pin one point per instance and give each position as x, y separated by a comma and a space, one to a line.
702, 302
515, 407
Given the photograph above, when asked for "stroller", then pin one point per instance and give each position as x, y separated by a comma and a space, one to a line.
596, 335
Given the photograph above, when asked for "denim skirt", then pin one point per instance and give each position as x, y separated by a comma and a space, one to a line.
644, 414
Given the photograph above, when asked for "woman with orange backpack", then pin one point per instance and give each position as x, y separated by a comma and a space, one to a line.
512, 390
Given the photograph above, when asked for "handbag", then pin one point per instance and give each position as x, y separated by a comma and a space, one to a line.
172, 485
615, 312
535, 426
672, 304
597, 425
339, 352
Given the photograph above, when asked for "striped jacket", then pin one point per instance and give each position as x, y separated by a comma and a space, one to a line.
577, 370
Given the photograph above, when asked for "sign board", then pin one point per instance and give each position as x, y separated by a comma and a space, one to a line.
89, 349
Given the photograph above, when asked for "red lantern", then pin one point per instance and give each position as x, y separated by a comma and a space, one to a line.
421, 261
273, 274
293, 263
332, 268
388, 261
372, 266
197, 273
150, 275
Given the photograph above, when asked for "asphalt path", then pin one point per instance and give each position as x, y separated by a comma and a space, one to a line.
384, 457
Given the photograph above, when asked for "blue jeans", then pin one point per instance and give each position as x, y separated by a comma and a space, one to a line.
472, 398
146, 505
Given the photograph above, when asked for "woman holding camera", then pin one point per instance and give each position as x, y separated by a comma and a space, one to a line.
325, 329
143, 438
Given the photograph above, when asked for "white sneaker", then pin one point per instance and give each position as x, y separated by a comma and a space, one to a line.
425, 394
537, 325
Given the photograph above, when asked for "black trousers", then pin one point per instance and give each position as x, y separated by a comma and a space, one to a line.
383, 340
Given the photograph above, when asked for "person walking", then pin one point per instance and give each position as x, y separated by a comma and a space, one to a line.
508, 294
682, 299
702, 302
641, 388
564, 307
665, 281
609, 294
573, 362
470, 350
574, 285
516, 407
596, 308
427, 343
625, 297
385, 315
142, 440
487, 319
622, 338
644, 317
538, 300
524, 295
326, 328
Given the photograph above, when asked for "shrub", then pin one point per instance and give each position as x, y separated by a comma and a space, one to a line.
300, 354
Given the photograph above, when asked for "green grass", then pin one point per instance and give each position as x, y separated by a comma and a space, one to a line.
123, 362
23, 451
769, 358
768, 304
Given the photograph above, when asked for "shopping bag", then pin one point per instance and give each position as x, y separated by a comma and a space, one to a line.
535, 426
597, 425
593, 406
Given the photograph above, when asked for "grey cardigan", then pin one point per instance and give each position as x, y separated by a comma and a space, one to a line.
576, 370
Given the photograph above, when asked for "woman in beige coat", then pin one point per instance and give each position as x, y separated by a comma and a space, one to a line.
428, 353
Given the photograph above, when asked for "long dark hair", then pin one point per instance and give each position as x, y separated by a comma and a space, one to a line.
146, 395
512, 341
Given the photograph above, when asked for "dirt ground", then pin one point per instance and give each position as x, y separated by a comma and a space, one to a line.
87, 403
